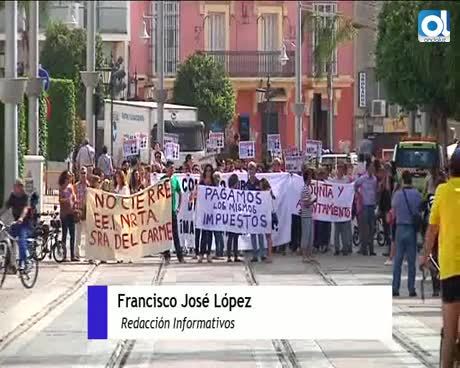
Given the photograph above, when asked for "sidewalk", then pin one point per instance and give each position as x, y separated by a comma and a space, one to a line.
20, 304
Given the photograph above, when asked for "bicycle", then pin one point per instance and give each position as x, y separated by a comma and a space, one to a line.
47, 240
9, 261
456, 352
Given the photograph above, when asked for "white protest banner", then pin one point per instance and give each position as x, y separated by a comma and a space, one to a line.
274, 144
233, 210
247, 149
216, 140
333, 200
128, 227
172, 151
186, 214
287, 189
313, 149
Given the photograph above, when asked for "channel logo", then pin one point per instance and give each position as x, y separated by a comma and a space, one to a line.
434, 26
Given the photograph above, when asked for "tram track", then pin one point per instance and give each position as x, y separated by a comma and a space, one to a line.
284, 351
399, 337
123, 349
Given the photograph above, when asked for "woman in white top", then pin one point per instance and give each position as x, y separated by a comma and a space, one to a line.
121, 185
265, 186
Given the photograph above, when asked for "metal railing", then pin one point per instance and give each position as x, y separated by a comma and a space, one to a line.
254, 63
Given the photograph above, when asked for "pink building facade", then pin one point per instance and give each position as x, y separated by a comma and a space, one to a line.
248, 37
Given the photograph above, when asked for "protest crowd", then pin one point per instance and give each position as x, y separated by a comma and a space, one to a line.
373, 203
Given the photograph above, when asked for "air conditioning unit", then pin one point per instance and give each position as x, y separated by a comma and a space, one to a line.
378, 108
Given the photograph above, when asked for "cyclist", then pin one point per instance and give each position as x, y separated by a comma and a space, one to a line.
19, 204
444, 221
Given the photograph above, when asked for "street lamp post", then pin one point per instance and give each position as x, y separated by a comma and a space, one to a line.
11, 93
90, 80
90, 68
299, 107
106, 74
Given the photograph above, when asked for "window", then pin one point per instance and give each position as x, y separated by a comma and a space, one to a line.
216, 35
270, 37
270, 44
216, 32
324, 10
416, 158
171, 36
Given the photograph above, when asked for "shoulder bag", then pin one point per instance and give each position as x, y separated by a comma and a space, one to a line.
416, 217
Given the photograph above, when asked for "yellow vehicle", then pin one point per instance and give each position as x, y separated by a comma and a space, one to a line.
418, 155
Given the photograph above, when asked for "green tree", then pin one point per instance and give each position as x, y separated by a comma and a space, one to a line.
61, 133
203, 83
417, 74
64, 56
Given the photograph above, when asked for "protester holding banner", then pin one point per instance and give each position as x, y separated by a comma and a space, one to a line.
229, 166
342, 230
80, 189
135, 184
67, 200
322, 228
265, 186
207, 179
175, 191
121, 185
232, 240
258, 251
218, 235
276, 166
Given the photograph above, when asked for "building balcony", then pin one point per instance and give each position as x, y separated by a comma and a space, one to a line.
254, 64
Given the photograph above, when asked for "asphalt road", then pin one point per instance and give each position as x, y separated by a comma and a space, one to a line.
46, 327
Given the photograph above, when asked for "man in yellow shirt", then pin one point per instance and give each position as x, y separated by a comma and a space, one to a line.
444, 223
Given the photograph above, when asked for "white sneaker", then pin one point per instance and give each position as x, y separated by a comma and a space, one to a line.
388, 262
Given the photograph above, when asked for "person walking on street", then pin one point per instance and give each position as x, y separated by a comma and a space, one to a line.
254, 184
367, 186
105, 163
406, 204
86, 156
67, 201
175, 205
342, 230
444, 224
80, 190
